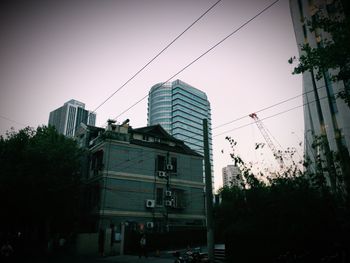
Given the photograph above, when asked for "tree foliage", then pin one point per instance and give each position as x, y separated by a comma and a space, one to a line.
39, 180
331, 53
289, 217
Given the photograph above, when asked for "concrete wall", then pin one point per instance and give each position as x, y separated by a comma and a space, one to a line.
129, 178
87, 244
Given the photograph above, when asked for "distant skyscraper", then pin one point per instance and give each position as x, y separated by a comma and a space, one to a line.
325, 113
231, 176
180, 109
66, 119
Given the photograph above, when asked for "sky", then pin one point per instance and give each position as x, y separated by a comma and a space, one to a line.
54, 51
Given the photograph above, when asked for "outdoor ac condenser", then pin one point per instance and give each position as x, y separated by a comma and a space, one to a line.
150, 203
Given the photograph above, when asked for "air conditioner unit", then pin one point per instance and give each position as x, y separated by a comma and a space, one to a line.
161, 174
149, 224
168, 193
169, 167
168, 203
150, 203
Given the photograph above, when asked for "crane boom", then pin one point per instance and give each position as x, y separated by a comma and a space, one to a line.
267, 138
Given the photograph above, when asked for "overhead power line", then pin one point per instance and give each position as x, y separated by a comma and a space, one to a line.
156, 56
248, 124
266, 108
274, 115
205, 53
269, 107
247, 115
263, 109
8, 119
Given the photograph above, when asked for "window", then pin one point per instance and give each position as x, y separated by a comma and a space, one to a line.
97, 162
159, 196
173, 162
342, 138
330, 93
332, 8
304, 32
178, 198
160, 163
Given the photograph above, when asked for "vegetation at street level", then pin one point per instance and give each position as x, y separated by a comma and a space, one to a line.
332, 53
39, 185
288, 217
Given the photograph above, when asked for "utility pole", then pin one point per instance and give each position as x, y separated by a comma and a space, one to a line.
208, 193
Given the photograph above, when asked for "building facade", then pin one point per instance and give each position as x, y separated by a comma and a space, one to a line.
325, 114
142, 177
180, 109
231, 176
66, 119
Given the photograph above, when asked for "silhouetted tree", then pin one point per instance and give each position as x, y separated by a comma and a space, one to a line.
283, 218
39, 183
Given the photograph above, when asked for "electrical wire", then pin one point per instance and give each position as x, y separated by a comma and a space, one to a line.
247, 115
266, 108
279, 113
205, 53
271, 106
242, 117
274, 115
151, 171
156, 56
8, 119
142, 153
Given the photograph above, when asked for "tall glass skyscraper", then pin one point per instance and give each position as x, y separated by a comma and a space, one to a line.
231, 176
180, 109
325, 114
66, 119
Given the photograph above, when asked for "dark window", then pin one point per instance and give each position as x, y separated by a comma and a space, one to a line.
178, 198
330, 92
160, 163
304, 31
315, 18
342, 139
332, 8
334, 107
159, 196
174, 164
97, 162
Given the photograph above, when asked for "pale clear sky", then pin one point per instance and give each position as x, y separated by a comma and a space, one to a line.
54, 51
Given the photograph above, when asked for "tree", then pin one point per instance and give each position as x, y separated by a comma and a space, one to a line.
331, 53
285, 218
39, 182
330, 60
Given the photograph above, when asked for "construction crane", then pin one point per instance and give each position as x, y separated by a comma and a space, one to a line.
277, 154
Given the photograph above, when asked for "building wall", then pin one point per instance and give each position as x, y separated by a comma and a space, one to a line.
160, 106
129, 177
180, 109
67, 118
324, 113
229, 176
55, 119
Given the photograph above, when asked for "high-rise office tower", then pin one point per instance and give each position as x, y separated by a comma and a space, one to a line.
66, 119
180, 109
231, 176
325, 114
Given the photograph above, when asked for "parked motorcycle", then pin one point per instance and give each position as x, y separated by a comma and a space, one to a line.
190, 257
